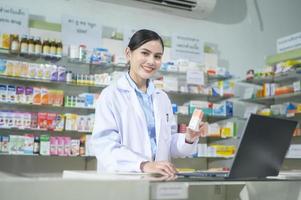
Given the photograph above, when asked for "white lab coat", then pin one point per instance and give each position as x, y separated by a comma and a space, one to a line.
120, 137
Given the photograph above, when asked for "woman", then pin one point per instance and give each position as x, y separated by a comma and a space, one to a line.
132, 130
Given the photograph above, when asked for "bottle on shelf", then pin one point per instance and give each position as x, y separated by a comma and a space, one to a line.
82, 140
37, 46
36, 145
24, 45
59, 48
14, 44
31, 46
46, 47
52, 48
82, 53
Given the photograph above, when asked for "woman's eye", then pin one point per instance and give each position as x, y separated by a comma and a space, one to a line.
144, 53
158, 57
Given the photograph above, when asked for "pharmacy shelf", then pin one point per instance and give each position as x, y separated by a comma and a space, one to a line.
278, 78
41, 108
208, 118
189, 95
104, 66
212, 78
218, 157
280, 57
5, 54
273, 98
213, 139
38, 131
296, 117
26, 80
63, 61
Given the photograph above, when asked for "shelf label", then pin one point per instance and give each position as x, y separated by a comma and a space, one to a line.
13, 20
186, 47
289, 42
77, 31
170, 191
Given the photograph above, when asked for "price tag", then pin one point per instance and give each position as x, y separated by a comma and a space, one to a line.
170, 191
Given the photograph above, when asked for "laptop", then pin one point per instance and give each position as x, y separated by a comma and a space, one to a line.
261, 151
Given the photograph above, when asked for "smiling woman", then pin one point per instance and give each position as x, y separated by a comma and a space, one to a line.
133, 119
144, 56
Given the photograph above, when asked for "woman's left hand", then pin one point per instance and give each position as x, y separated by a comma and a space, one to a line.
191, 136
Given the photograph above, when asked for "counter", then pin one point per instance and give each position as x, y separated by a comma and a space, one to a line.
89, 185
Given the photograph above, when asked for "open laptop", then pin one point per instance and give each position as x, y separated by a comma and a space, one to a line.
261, 150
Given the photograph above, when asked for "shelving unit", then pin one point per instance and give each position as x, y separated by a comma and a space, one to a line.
182, 97
40, 164
80, 162
282, 78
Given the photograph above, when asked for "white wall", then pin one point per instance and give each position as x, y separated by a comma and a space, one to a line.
243, 41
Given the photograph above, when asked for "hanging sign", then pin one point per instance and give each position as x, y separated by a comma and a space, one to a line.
185, 47
13, 20
77, 31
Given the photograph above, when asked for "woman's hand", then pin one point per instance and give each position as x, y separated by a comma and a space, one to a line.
164, 168
191, 136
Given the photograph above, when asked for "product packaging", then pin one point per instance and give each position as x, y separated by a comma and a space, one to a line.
44, 145
196, 119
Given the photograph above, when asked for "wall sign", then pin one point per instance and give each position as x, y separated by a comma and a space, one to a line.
77, 31
13, 20
289, 42
185, 47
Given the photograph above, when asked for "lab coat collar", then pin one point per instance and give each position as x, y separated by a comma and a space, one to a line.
124, 84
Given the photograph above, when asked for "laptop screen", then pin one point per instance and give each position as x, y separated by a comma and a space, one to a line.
263, 147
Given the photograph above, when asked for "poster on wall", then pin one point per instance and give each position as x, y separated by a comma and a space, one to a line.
13, 20
186, 47
76, 31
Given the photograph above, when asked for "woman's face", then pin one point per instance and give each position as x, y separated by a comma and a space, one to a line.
145, 60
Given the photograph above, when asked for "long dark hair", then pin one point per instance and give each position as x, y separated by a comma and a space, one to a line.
143, 36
